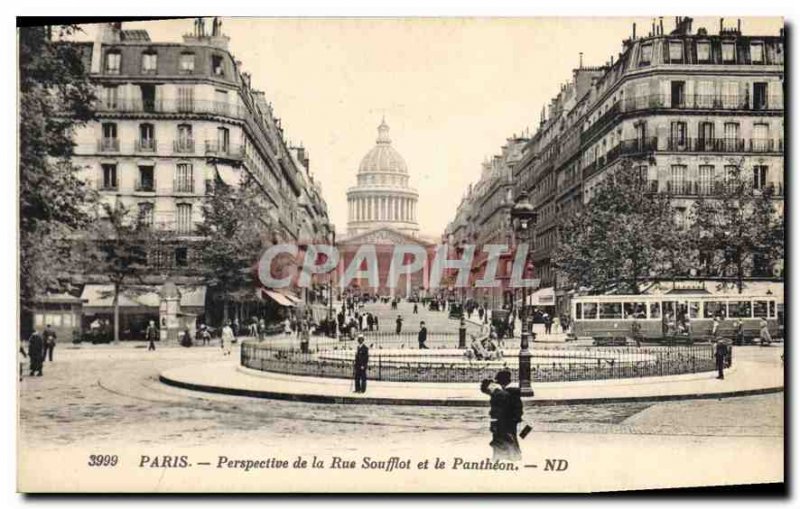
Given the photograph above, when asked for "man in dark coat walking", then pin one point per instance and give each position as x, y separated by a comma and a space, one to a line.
151, 334
360, 366
422, 336
506, 414
49, 342
720, 354
36, 353
399, 326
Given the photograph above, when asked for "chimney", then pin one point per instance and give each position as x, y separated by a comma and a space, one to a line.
634, 32
739, 25
660, 25
580, 60
720, 24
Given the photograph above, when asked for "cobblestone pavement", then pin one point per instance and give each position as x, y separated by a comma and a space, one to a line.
110, 394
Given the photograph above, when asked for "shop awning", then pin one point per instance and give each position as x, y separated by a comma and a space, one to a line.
228, 175
101, 297
543, 297
278, 297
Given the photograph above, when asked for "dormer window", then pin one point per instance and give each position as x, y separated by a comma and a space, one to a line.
113, 61
757, 53
703, 51
676, 51
216, 65
187, 63
646, 55
149, 63
728, 52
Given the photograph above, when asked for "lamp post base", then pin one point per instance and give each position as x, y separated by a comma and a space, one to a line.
525, 355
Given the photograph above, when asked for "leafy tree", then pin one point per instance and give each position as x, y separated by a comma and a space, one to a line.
234, 228
738, 229
623, 237
117, 247
55, 96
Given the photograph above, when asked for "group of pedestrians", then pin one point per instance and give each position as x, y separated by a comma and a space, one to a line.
40, 348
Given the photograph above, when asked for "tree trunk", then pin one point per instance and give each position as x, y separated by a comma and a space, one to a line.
224, 311
116, 313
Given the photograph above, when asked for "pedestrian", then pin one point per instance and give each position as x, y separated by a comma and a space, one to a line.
399, 324
720, 354
49, 342
205, 335
416, 311
236, 329
151, 334
36, 353
462, 333
738, 328
21, 356
548, 323
481, 312
360, 365
715, 327
505, 414
226, 338
764, 335
262, 330
422, 336
187, 338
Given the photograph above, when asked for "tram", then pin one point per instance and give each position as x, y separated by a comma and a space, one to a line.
668, 317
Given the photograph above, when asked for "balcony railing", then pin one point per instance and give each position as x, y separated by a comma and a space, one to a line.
146, 145
145, 186
226, 150
108, 145
183, 186
701, 102
173, 106
103, 185
724, 145
183, 146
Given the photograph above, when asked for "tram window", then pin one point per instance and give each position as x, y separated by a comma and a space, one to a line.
694, 310
590, 311
668, 308
760, 309
772, 309
578, 311
655, 310
635, 310
740, 309
610, 310
714, 308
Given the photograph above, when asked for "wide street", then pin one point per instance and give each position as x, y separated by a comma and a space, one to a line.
110, 393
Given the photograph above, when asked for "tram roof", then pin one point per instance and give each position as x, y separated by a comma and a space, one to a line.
673, 296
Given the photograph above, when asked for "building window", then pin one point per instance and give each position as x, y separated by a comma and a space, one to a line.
757, 53
761, 140
760, 176
678, 183
705, 135
677, 136
149, 63
148, 93
705, 94
678, 94
111, 97
731, 131
646, 55
703, 52
109, 140
113, 61
223, 139
221, 101
146, 214
675, 51
109, 176
728, 52
181, 256
759, 96
184, 223
184, 178
184, 142
706, 179
186, 99
187, 63
147, 138
146, 179
216, 65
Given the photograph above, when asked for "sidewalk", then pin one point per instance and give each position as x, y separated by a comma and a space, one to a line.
755, 371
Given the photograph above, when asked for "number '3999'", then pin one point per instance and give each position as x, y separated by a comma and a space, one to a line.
103, 460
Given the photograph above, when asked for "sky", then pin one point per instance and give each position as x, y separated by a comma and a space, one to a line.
451, 89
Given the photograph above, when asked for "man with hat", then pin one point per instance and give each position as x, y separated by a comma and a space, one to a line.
505, 413
360, 366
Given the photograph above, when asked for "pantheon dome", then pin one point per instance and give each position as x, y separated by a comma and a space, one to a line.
382, 197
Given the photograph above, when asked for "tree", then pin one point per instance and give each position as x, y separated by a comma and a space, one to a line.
624, 236
55, 97
117, 247
738, 229
234, 228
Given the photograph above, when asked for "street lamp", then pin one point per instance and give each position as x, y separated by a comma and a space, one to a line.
523, 218
332, 242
